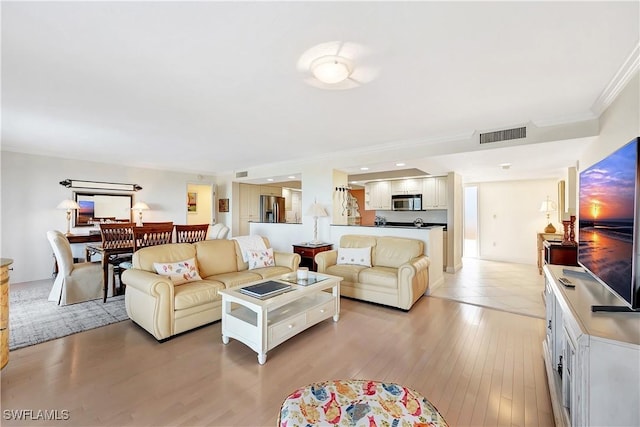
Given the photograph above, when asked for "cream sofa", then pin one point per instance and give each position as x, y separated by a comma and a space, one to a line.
165, 309
398, 276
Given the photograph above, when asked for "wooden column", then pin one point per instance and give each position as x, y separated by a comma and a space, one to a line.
4, 310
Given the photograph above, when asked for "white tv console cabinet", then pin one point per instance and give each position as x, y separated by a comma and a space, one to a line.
592, 359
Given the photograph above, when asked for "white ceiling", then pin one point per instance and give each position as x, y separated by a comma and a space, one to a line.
213, 87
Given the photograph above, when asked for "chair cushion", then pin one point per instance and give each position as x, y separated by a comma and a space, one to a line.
380, 276
196, 293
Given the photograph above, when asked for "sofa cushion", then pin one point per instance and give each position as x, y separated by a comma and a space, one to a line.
196, 293
348, 272
271, 271
216, 256
379, 276
260, 258
179, 272
356, 256
395, 251
238, 278
144, 258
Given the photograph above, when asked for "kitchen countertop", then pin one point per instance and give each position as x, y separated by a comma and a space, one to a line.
398, 225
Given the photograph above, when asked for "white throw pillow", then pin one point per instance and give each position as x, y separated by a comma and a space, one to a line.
179, 272
357, 256
260, 258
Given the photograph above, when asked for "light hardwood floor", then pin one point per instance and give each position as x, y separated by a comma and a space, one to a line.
516, 288
479, 366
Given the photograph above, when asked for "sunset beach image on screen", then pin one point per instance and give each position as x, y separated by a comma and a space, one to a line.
606, 219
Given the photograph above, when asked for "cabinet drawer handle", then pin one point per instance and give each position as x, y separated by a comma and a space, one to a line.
291, 326
322, 310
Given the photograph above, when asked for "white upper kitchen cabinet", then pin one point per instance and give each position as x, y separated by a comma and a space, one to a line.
407, 186
434, 193
377, 195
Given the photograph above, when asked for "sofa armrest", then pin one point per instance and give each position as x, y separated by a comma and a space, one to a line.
148, 283
326, 259
149, 300
413, 280
286, 259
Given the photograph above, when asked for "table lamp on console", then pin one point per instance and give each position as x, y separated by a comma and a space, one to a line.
139, 207
68, 205
316, 210
548, 206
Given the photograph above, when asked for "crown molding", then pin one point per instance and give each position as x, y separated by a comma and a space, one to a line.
628, 69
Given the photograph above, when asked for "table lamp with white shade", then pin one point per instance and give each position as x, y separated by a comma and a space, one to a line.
316, 210
139, 207
68, 205
548, 206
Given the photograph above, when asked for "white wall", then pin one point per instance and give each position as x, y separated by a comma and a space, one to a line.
619, 124
509, 218
31, 191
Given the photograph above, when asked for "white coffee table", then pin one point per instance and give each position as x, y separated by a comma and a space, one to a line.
264, 324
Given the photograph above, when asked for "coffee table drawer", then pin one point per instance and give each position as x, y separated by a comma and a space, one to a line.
318, 314
288, 328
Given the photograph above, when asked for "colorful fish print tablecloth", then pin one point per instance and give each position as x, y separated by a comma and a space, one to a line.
358, 403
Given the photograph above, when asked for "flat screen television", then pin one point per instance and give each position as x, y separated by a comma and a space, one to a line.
607, 234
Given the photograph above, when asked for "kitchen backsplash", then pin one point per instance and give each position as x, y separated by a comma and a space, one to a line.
437, 216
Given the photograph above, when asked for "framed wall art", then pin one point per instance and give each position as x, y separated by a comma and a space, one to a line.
192, 202
223, 205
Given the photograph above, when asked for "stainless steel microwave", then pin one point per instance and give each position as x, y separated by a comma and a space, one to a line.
406, 202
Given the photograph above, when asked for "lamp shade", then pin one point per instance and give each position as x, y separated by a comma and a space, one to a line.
140, 206
331, 69
68, 204
548, 206
317, 210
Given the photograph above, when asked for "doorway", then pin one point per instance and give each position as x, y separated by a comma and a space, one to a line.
470, 222
200, 201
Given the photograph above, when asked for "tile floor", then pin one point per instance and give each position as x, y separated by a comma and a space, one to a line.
516, 288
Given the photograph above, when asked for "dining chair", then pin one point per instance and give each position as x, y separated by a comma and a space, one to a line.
75, 282
118, 235
152, 235
219, 231
158, 223
191, 233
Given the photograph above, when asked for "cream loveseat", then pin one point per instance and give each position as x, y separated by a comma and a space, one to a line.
397, 276
165, 309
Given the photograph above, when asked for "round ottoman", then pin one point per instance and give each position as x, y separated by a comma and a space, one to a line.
357, 403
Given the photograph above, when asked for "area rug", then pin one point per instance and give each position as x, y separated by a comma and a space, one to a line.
33, 319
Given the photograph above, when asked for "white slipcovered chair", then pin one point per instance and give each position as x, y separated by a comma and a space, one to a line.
75, 282
219, 231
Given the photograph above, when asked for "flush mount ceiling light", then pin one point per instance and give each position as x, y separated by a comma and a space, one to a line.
331, 69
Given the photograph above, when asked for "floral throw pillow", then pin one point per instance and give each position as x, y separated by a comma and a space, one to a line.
179, 272
356, 256
260, 258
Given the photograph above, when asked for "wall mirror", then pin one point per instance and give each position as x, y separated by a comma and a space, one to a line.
97, 207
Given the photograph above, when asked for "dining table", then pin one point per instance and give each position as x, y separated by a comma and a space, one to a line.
107, 254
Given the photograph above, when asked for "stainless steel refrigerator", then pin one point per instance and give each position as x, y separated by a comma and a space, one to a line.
272, 209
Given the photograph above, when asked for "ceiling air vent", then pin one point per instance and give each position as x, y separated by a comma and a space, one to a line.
503, 135
242, 174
